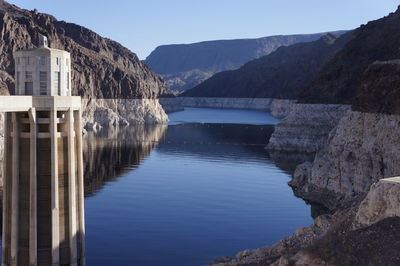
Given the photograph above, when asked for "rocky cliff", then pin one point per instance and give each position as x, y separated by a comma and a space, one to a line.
284, 73
306, 127
184, 66
361, 149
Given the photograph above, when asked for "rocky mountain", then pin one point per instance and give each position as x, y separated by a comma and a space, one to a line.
184, 66
341, 81
284, 73
102, 68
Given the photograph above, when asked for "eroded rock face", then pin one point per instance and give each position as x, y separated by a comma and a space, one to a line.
361, 149
121, 112
306, 127
102, 68
381, 202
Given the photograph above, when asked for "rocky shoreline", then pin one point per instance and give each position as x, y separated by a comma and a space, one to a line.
278, 107
305, 127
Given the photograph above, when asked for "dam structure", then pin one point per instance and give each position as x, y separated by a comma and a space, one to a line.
43, 190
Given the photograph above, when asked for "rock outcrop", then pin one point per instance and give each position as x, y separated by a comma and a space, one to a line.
381, 202
361, 149
283, 74
184, 66
306, 127
121, 112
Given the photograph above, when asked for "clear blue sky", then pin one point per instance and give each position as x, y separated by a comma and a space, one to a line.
141, 25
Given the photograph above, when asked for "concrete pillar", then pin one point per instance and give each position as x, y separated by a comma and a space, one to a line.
6, 189
72, 188
81, 190
54, 189
14, 190
33, 189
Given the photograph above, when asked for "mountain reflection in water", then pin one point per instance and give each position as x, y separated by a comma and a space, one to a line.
109, 153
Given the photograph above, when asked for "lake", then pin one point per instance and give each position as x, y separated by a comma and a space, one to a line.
186, 193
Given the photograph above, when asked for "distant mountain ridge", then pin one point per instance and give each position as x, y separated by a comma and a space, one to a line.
184, 66
284, 73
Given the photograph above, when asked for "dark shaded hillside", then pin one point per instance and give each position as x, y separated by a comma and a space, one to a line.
380, 88
282, 74
102, 68
341, 78
184, 66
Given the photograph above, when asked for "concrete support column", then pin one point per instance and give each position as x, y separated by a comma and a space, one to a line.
54, 189
14, 190
72, 188
33, 189
81, 186
6, 189
81, 189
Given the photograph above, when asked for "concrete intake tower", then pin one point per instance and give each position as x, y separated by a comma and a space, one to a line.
43, 195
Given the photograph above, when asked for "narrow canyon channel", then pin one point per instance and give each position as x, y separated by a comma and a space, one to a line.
187, 192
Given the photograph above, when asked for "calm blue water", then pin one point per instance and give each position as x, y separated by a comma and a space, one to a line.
188, 192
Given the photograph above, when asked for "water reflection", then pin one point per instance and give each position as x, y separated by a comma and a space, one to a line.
112, 151
201, 191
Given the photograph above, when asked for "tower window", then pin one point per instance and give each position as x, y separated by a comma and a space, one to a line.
57, 83
43, 60
28, 88
43, 83
68, 80
28, 75
17, 89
